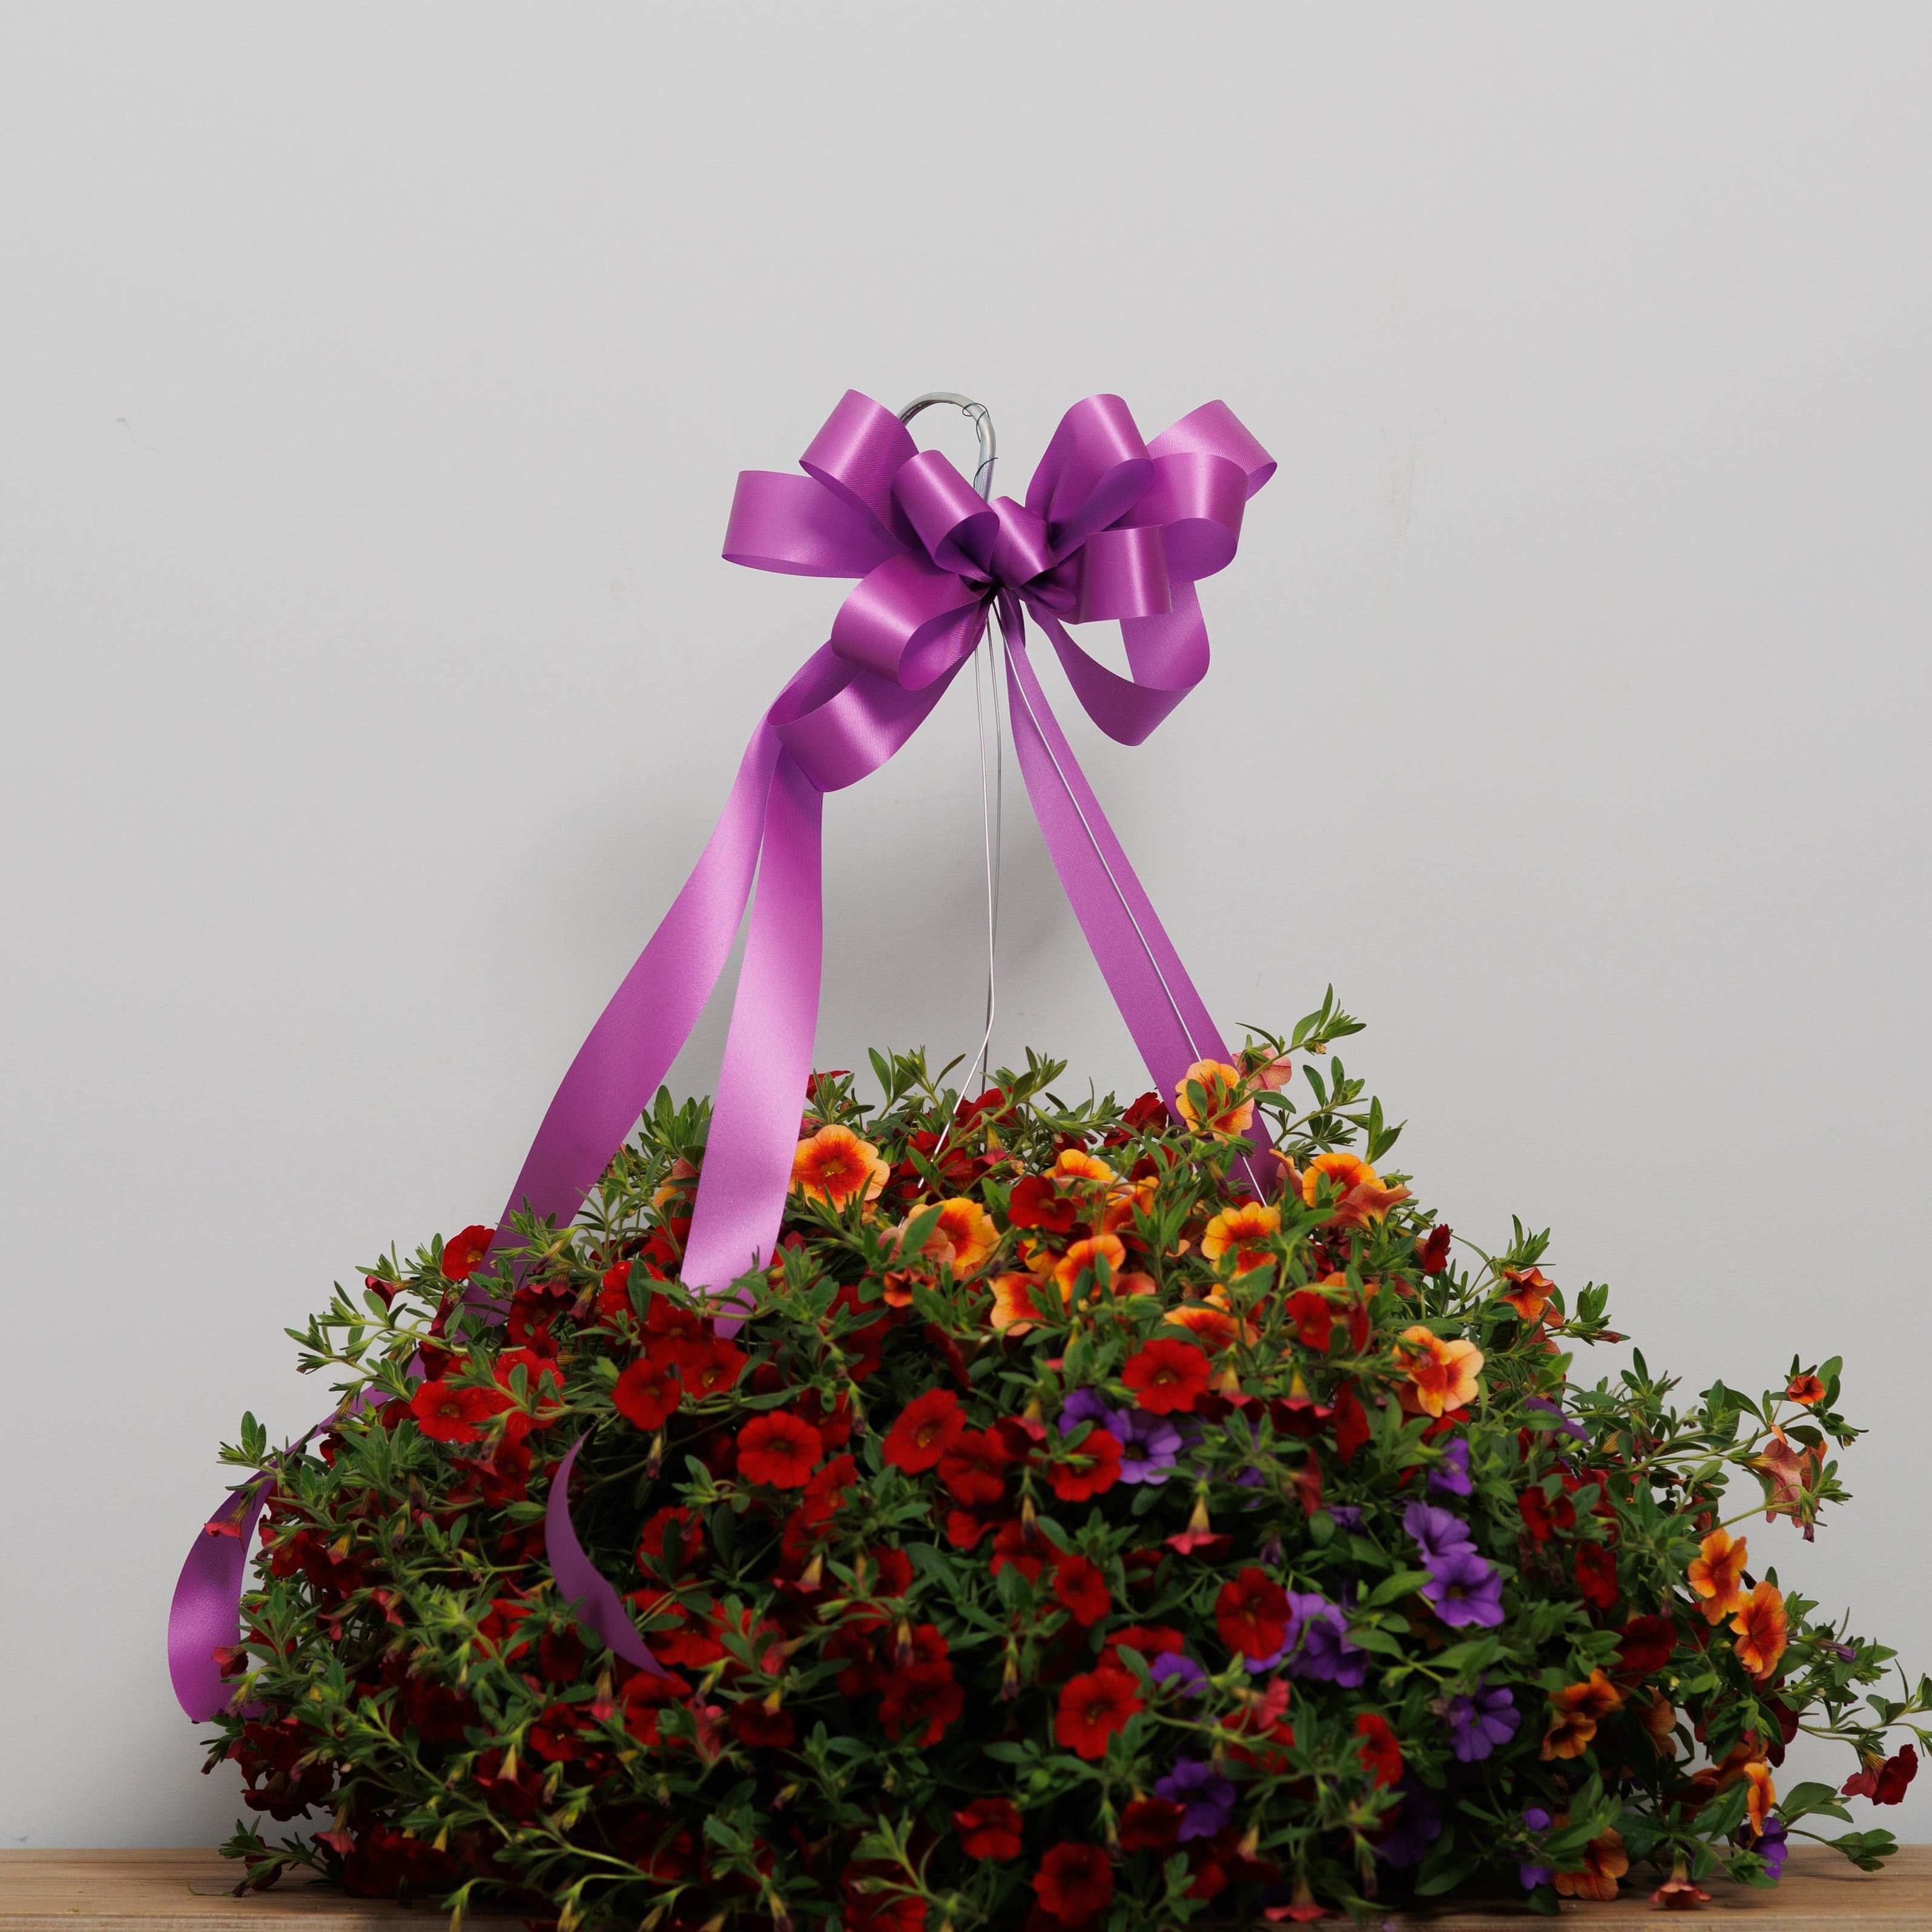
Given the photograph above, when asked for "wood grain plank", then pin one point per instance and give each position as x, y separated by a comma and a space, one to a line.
185, 1892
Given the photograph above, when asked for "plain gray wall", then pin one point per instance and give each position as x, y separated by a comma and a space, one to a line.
372, 384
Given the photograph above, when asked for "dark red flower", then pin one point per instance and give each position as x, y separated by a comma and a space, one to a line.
927, 1427
1252, 1614
779, 1449
1080, 1590
1597, 1574
1166, 1376
462, 1253
1035, 1202
1094, 1707
974, 1469
1313, 1315
712, 1368
446, 1414
1352, 1422
1644, 1645
1541, 1516
1074, 1881
1379, 1750
555, 1735
646, 1392
1148, 1114
1089, 1469
752, 1724
921, 1699
1023, 1546
989, 1828
1150, 1825
1884, 1782
1432, 1250
613, 1294
673, 1537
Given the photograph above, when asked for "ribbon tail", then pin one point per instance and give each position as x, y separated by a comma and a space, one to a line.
1168, 1019
628, 1052
761, 1085
580, 1583
205, 1615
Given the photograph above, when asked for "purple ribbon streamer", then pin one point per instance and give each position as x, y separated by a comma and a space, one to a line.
1112, 527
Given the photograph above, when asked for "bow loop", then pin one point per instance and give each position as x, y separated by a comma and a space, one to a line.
1214, 430
1197, 499
861, 447
954, 526
1096, 469
796, 525
908, 621
1123, 573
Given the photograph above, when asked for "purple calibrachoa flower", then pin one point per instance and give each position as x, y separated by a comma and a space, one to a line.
1480, 1722
1464, 1590
1180, 1673
1769, 1844
1084, 1405
1206, 1797
1438, 1533
1531, 1876
1416, 1825
1348, 1516
1450, 1477
1150, 1445
1319, 1647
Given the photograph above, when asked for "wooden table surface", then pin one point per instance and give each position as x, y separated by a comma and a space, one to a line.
186, 1891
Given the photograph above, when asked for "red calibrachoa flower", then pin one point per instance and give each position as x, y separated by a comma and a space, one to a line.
446, 1414
1074, 1881
1597, 1574
989, 1828
462, 1254
1378, 1748
712, 1369
646, 1392
927, 1426
974, 1469
1252, 1614
1094, 1707
1090, 1469
1150, 1825
1167, 1377
779, 1449
1080, 1590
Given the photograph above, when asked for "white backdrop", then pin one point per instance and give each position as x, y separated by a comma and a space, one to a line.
372, 384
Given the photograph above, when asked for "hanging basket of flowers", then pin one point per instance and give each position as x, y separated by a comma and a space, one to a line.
954, 1506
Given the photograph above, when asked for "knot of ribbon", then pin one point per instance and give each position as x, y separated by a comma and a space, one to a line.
1113, 527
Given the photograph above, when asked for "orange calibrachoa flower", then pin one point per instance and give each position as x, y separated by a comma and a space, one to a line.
1219, 1085
1443, 1374
834, 1164
1763, 1793
1805, 1390
1072, 1165
964, 1238
1209, 1327
1241, 1232
1717, 1574
1605, 1861
1529, 1292
1086, 1258
1014, 1312
1360, 1197
1762, 1628
1575, 1712
1343, 1172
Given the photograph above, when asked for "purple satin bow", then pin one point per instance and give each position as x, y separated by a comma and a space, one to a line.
1112, 527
